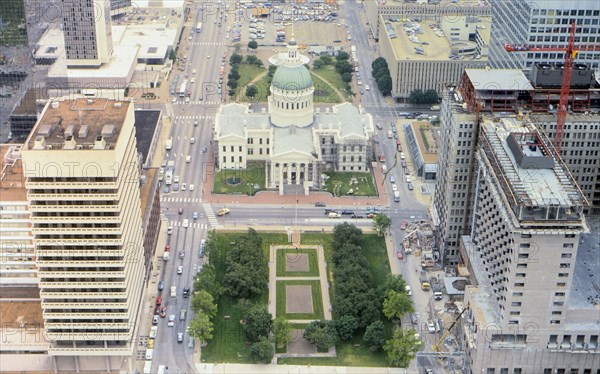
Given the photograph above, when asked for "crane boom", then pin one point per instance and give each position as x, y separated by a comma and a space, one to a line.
436, 346
570, 54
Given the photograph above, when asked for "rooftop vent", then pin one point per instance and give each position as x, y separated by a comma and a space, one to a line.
70, 131
45, 130
40, 143
54, 105
83, 132
100, 143
70, 142
108, 131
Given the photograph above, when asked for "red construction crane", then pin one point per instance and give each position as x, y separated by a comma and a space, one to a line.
570, 54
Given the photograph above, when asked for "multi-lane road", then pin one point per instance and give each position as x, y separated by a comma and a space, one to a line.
204, 55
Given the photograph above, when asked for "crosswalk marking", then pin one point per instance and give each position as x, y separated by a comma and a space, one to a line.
167, 199
200, 102
210, 214
206, 116
193, 225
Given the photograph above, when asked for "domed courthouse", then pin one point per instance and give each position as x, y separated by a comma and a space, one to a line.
297, 143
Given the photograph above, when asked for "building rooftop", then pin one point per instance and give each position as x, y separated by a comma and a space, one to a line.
410, 36
12, 183
440, 3
424, 136
72, 123
292, 139
585, 289
528, 169
153, 39
146, 123
119, 66
499, 79
348, 118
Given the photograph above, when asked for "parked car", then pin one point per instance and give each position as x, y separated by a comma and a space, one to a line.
163, 312
181, 254
347, 212
320, 204
180, 270
410, 186
430, 327
399, 255
161, 285
155, 319
179, 337
171, 322
357, 216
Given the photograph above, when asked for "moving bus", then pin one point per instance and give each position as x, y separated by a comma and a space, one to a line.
182, 89
199, 27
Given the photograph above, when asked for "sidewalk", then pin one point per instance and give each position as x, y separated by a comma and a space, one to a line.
280, 369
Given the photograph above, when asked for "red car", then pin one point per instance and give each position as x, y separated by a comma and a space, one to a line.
400, 255
403, 225
163, 312
158, 301
167, 248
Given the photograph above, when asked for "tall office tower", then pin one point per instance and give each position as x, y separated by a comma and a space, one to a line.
17, 262
82, 177
534, 307
87, 32
542, 23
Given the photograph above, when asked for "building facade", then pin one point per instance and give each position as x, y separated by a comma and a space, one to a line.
82, 178
87, 32
528, 312
296, 141
543, 23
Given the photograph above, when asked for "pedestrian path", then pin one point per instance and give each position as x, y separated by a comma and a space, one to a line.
193, 225
210, 214
165, 199
199, 102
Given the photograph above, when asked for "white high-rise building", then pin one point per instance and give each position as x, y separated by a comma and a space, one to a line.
82, 178
87, 32
543, 23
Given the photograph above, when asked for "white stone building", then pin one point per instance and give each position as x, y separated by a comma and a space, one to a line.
296, 141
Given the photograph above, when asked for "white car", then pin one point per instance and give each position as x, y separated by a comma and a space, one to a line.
408, 290
180, 270
192, 187
367, 87
193, 80
408, 180
186, 223
402, 156
192, 140
183, 186
173, 100
188, 159
171, 322
394, 188
430, 327
193, 72
359, 83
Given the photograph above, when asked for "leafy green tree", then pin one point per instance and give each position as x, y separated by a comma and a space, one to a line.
251, 90
384, 84
392, 282
342, 55
272, 69
381, 72
326, 59
235, 59
346, 233
172, 55
232, 83
252, 44
207, 281
257, 323
201, 328
343, 67
234, 74
374, 336
381, 223
262, 351
259, 63
251, 59
346, 327
282, 331
245, 272
317, 64
430, 97
416, 96
322, 333
379, 62
231, 93
203, 302
402, 348
347, 77
396, 304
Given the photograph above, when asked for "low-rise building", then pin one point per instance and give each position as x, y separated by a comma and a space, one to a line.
423, 149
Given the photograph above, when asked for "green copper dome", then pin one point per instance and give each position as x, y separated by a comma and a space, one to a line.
292, 78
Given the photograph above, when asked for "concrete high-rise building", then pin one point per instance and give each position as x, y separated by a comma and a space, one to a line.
82, 176
542, 23
532, 307
18, 274
87, 32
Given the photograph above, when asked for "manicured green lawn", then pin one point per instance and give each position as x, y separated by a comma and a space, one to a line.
254, 174
317, 299
339, 184
313, 264
323, 92
332, 76
263, 85
247, 74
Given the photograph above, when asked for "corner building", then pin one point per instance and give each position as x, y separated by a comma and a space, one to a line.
82, 178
